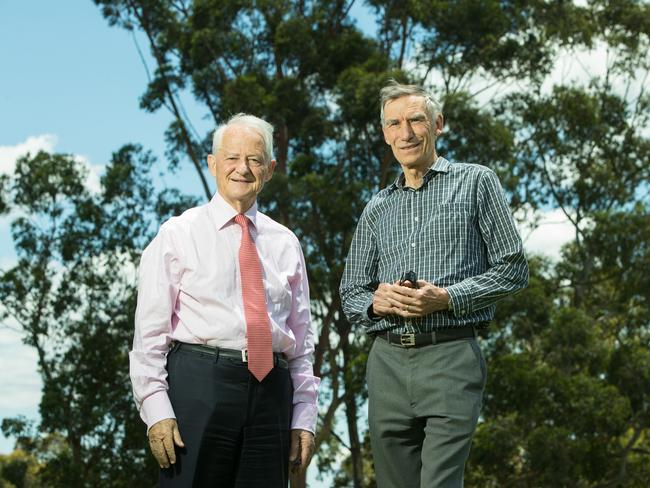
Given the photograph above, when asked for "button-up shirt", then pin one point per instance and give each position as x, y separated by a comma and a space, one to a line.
190, 291
455, 231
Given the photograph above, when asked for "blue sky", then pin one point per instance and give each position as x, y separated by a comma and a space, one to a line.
66, 72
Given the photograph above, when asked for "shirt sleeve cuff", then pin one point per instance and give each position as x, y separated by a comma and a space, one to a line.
460, 299
369, 317
155, 408
304, 417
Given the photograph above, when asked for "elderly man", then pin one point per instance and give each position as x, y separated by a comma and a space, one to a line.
221, 360
431, 255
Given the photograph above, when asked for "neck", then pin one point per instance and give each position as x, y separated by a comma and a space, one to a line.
414, 175
240, 206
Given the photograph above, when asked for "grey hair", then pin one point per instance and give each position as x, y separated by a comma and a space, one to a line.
262, 127
394, 90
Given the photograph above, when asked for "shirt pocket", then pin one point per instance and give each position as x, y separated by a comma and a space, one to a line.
450, 224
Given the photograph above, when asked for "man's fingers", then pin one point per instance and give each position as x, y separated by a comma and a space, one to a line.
405, 291
302, 449
168, 444
295, 447
307, 453
398, 301
177, 437
162, 437
159, 453
407, 315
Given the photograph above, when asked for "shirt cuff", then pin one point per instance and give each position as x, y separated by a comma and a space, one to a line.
460, 299
371, 317
304, 417
155, 408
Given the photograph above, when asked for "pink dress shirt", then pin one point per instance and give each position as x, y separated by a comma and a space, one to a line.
190, 291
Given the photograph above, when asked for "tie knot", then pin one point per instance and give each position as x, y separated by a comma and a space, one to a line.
242, 221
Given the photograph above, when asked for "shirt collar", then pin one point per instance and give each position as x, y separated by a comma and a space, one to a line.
441, 165
223, 213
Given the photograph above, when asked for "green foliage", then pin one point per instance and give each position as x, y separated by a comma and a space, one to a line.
73, 294
20, 470
568, 393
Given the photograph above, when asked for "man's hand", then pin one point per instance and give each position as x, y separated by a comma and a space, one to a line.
409, 302
162, 437
302, 449
386, 300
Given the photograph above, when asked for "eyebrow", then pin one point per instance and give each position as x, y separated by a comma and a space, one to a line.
414, 116
417, 115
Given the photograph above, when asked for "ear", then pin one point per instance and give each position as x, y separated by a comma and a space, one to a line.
440, 123
212, 165
383, 130
269, 170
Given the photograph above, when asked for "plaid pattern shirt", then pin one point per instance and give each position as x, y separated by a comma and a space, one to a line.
455, 231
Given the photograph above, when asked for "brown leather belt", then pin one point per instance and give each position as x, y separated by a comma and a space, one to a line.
429, 338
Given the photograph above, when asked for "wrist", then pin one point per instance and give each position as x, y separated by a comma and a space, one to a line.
372, 315
450, 303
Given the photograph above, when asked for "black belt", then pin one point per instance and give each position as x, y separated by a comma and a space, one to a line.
242, 356
426, 339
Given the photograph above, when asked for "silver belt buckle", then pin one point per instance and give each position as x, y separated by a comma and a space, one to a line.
407, 340
244, 355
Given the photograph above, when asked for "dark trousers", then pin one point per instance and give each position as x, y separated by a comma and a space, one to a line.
236, 430
423, 405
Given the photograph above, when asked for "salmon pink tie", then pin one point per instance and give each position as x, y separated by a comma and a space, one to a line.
258, 326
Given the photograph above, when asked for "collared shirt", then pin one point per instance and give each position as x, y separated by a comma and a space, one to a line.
455, 231
190, 291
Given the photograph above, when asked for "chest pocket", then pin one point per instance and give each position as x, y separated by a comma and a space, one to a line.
450, 223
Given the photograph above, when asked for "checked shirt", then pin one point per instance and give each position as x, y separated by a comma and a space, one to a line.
456, 231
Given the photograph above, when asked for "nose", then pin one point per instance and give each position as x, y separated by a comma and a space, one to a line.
242, 166
406, 131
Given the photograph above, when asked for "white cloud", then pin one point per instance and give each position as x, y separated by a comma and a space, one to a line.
578, 66
21, 383
548, 234
33, 144
46, 142
94, 173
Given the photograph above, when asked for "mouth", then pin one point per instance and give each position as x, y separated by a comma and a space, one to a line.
408, 147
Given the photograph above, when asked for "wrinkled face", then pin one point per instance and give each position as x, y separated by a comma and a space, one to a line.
239, 167
410, 132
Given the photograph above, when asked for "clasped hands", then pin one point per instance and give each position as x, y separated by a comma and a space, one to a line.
164, 435
407, 301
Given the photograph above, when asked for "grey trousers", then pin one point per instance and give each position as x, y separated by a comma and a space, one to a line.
423, 405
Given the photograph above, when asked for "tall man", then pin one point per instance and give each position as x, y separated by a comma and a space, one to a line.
221, 360
449, 224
